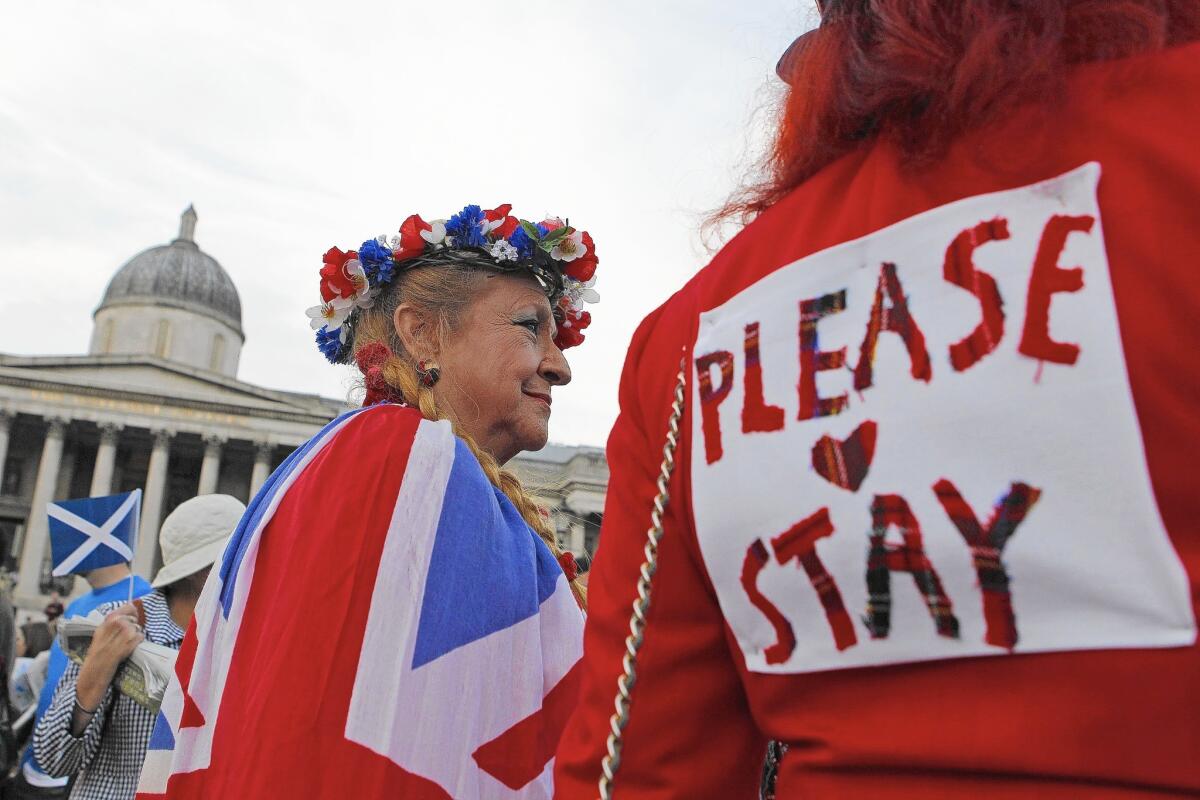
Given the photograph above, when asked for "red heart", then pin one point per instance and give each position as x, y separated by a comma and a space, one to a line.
846, 463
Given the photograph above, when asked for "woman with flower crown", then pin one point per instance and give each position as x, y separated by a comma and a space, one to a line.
393, 617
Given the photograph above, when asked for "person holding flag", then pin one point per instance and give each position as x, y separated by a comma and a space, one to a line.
91, 730
394, 617
93, 538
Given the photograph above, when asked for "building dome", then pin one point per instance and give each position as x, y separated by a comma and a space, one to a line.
174, 302
178, 275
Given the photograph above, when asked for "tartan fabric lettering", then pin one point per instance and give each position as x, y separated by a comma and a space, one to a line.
891, 511
800, 542
987, 545
935, 505
813, 359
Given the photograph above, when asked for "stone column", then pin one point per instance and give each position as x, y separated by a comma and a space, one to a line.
6, 420
210, 468
106, 458
37, 528
152, 503
262, 466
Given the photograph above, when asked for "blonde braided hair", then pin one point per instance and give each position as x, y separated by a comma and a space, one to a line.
444, 292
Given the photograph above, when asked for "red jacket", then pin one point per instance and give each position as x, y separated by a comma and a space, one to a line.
936, 517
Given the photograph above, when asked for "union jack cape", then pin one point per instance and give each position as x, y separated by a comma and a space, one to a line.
382, 624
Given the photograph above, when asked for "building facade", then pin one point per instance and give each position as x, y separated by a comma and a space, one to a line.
156, 404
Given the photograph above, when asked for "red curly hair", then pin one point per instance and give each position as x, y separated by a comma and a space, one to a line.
919, 73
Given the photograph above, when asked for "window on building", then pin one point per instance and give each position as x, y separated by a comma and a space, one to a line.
14, 470
218, 353
11, 535
162, 339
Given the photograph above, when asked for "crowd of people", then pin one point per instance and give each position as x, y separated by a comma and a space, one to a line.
902, 498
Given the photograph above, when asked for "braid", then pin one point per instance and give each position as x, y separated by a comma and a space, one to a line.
400, 374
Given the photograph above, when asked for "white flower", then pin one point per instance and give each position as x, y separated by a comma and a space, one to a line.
569, 247
579, 291
587, 294
331, 314
437, 232
501, 250
358, 278
364, 296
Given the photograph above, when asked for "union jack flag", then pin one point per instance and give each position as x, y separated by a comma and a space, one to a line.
383, 624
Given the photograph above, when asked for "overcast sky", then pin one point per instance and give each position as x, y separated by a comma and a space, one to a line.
297, 126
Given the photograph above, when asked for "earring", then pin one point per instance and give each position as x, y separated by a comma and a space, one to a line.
428, 373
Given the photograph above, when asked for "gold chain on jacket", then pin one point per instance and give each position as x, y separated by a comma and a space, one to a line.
637, 620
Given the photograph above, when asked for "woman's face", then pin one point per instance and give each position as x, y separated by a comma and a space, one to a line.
499, 366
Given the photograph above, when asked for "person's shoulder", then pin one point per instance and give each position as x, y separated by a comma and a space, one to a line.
1157, 71
387, 422
86, 604
80, 605
153, 598
379, 437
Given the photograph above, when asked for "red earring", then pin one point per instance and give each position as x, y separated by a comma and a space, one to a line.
428, 373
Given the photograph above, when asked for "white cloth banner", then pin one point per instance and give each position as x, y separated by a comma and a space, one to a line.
922, 445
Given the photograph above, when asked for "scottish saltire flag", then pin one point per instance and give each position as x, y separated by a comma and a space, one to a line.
93, 532
383, 624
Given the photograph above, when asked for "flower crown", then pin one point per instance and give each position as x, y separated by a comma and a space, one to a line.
561, 258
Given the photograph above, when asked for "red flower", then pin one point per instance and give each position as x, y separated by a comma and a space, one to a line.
334, 280
551, 224
506, 228
411, 243
570, 567
570, 332
568, 337
499, 212
507, 224
583, 268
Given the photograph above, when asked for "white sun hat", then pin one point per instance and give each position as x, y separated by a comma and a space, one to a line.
194, 535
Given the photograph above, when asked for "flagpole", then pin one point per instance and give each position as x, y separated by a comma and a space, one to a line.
137, 531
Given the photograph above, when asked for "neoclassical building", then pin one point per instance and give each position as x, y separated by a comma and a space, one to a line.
156, 404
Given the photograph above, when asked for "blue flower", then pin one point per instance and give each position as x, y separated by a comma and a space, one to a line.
383, 275
520, 240
377, 262
467, 227
330, 345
